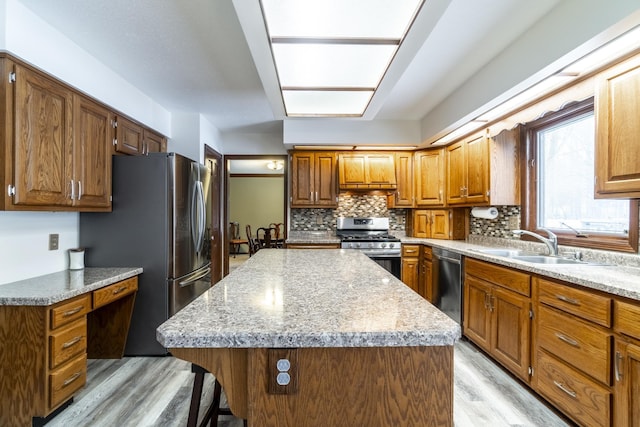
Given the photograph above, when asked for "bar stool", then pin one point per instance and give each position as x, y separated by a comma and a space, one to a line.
196, 395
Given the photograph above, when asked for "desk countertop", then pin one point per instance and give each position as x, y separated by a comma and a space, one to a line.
55, 287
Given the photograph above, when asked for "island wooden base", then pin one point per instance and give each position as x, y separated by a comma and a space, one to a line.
385, 386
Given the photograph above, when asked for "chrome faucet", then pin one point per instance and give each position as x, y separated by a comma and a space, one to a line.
551, 241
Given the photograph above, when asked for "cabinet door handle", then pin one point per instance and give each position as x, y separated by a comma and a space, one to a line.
486, 301
79, 190
71, 379
71, 312
565, 389
73, 191
311, 196
567, 339
316, 196
72, 342
120, 289
491, 299
617, 368
568, 300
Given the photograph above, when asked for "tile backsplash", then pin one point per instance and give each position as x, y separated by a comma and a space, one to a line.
508, 219
349, 205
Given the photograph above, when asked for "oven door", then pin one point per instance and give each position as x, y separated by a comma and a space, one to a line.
391, 263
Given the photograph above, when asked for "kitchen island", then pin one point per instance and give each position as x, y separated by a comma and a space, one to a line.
320, 338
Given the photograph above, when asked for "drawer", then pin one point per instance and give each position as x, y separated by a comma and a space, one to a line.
67, 380
515, 280
411, 251
578, 396
627, 319
68, 311
113, 292
588, 305
575, 341
67, 342
427, 253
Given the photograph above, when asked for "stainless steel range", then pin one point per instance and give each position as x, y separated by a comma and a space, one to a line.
371, 236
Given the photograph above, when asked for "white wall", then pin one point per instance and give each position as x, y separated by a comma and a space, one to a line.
298, 131
24, 243
24, 235
253, 143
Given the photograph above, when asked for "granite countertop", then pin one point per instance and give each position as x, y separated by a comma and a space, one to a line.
614, 279
295, 298
55, 287
312, 237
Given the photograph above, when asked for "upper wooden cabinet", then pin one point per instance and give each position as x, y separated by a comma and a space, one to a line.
153, 142
42, 166
61, 158
483, 171
129, 137
429, 178
56, 143
367, 171
617, 153
313, 180
403, 197
132, 138
448, 224
92, 135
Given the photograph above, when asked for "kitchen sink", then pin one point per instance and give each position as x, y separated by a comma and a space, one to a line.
545, 259
509, 253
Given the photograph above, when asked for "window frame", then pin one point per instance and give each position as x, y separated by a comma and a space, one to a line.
529, 211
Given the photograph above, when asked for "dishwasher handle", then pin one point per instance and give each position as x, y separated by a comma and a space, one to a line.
453, 260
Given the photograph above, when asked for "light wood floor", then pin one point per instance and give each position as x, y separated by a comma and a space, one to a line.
148, 391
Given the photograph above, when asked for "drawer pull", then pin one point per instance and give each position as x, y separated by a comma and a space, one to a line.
566, 339
568, 300
71, 379
616, 365
72, 342
120, 289
410, 251
566, 390
71, 312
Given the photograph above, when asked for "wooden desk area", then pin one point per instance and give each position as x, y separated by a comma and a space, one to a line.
43, 357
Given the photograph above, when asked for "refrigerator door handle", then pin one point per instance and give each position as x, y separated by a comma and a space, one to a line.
195, 277
197, 213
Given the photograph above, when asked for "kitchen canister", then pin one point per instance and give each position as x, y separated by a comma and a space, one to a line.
76, 259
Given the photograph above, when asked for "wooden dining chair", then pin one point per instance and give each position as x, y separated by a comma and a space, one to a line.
266, 237
253, 243
235, 241
280, 234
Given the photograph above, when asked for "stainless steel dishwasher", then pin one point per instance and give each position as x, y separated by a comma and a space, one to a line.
447, 281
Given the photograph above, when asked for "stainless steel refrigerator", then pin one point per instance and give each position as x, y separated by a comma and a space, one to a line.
161, 222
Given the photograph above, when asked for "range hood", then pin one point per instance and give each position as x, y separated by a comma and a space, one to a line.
366, 171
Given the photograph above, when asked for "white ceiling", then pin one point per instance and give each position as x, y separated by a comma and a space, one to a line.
192, 56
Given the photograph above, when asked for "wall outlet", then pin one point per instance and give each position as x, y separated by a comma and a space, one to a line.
53, 242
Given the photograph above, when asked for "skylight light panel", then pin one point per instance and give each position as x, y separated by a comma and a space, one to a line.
317, 65
339, 18
326, 103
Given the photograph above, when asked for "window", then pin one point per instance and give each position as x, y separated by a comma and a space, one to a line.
559, 192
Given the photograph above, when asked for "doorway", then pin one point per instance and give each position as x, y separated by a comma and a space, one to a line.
256, 195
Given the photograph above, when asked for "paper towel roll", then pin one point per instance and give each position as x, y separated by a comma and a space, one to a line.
486, 213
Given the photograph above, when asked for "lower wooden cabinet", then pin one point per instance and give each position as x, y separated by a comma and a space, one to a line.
497, 314
425, 287
626, 365
410, 273
586, 401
